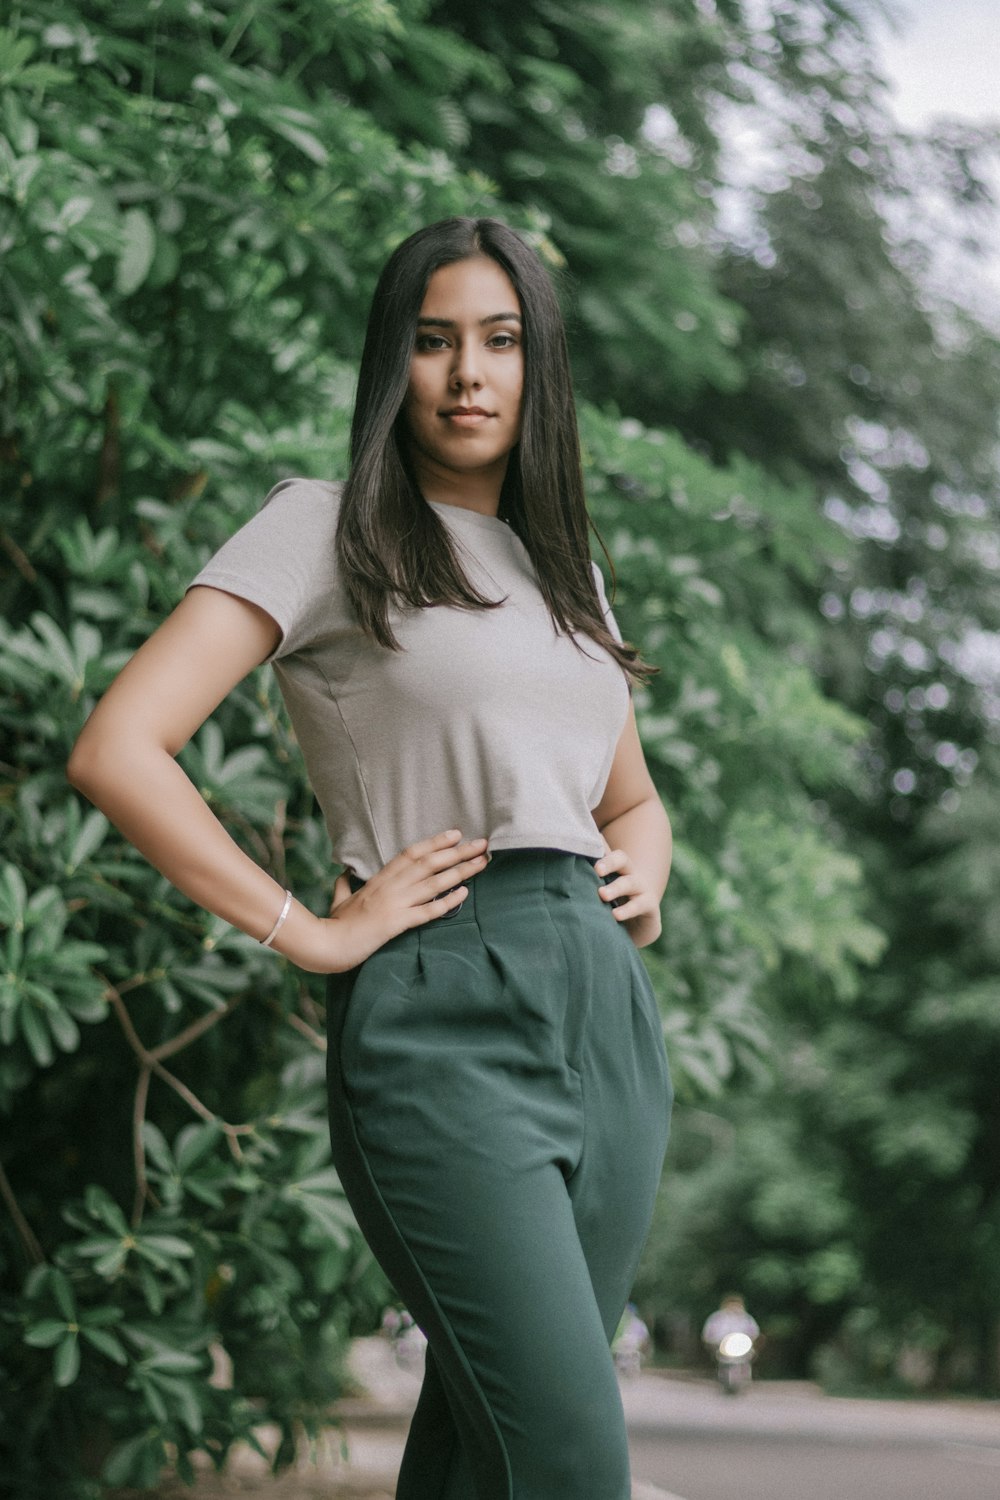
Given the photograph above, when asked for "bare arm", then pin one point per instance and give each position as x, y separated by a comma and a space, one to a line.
636, 829
124, 762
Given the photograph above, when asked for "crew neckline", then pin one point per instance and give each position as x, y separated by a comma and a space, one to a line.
475, 516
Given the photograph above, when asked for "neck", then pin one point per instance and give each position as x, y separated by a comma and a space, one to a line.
478, 490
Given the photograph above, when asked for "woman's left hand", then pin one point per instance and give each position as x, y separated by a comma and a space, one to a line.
639, 909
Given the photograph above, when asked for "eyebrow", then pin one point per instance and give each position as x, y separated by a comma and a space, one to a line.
502, 317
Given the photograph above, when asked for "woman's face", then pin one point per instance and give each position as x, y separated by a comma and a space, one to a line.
463, 403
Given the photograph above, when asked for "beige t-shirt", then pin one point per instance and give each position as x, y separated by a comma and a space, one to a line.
488, 720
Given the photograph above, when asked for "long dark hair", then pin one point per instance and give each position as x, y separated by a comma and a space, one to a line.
392, 546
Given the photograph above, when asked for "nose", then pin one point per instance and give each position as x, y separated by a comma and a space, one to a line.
466, 370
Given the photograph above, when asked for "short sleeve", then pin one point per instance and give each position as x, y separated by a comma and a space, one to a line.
602, 595
284, 560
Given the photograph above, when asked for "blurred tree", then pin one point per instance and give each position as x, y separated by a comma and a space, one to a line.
711, 565
561, 124
871, 377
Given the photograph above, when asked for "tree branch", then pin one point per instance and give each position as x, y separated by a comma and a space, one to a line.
150, 1063
33, 1249
196, 1029
142, 1189
18, 556
314, 1038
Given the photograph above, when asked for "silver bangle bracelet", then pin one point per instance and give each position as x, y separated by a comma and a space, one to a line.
286, 908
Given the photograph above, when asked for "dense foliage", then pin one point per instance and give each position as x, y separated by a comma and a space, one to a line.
801, 508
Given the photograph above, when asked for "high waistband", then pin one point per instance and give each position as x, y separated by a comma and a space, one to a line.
523, 870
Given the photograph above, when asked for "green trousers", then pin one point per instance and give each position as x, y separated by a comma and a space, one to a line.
499, 1105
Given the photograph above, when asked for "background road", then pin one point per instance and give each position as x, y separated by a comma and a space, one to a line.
784, 1443
728, 1468
688, 1442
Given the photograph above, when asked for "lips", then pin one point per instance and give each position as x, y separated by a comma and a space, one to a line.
466, 411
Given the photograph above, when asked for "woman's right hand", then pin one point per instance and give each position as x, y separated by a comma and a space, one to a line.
407, 892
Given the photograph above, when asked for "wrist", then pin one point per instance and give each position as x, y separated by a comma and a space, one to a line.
307, 941
286, 906
646, 928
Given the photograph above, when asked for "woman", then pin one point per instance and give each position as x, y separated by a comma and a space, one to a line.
499, 1092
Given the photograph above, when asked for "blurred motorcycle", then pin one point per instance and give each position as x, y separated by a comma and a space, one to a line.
733, 1356
406, 1340
731, 1334
630, 1343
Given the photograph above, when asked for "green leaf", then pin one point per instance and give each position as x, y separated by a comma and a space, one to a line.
205, 1192
193, 1143
66, 1364
101, 1205
154, 1397
88, 1007
45, 1334
110, 1262
137, 253
63, 1294
292, 125
13, 896
152, 1290
177, 1360
64, 1029
325, 1181
108, 1254
125, 1464
105, 1342
156, 1146
334, 1219
93, 831
14, 54
36, 1034
186, 1398
59, 657
165, 1244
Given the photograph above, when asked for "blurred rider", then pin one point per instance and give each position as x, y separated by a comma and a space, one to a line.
730, 1317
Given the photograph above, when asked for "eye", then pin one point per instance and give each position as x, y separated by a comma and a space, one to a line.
503, 341
430, 342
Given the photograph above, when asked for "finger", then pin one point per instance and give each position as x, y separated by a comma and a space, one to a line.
615, 859
450, 859
446, 866
445, 879
617, 896
429, 911
437, 841
428, 856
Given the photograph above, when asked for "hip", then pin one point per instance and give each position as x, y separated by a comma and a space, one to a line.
532, 953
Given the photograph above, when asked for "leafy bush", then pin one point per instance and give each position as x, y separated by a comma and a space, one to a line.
194, 201
154, 1058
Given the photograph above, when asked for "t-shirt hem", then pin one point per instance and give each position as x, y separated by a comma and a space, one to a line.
568, 843
563, 843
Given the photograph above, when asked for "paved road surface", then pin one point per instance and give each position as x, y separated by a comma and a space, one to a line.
688, 1442
727, 1468
786, 1443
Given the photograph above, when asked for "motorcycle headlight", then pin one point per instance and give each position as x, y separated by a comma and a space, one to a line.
735, 1345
